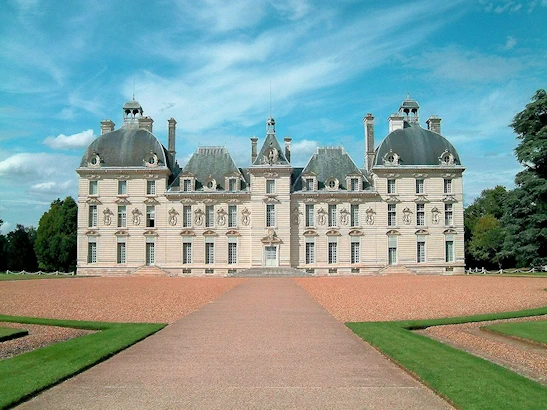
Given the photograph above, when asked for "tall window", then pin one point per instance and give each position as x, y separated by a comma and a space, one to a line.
122, 216
449, 249
420, 249
209, 253
232, 216
150, 253
120, 252
187, 185
332, 215
419, 186
448, 217
92, 252
209, 216
391, 215
310, 252
310, 215
309, 184
333, 250
354, 184
122, 187
232, 253
392, 249
420, 214
150, 187
186, 252
447, 186
270, 215
354, 215
186, 216
93, 219
232, 184
150, 216
355, 251
270, 186
93, 187
390, 186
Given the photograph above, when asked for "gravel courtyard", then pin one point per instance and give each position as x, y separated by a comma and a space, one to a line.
164, 299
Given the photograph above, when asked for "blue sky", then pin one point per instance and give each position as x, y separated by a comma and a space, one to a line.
65, 66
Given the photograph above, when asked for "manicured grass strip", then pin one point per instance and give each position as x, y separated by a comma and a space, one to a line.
8, 333
467, 381
535, 331
25, 375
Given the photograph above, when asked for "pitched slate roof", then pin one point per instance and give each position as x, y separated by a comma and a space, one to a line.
329, 162
210, 162
415, 146
128, 146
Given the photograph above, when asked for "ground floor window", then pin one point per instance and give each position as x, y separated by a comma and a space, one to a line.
187, 253
420, 250
120, 252
310, 252
92, 252
449, 250
150, 253
355, 251
232, 252
209, 253
392, 250
333, 252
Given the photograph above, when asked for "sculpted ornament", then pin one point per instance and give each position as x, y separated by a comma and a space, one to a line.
370, 216
321, 216
246, 218
407, 218
296, 215
344, 216
136, 216
198, 217
173, 217
221, 217
435, 216
272, 156
107, 216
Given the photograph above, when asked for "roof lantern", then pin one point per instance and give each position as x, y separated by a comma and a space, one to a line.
132, 111
270, 126
409, 108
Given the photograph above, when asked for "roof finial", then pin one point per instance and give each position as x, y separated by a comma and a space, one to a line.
408, 95
133, 87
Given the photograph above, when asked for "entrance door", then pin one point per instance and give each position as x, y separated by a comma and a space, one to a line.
270, 253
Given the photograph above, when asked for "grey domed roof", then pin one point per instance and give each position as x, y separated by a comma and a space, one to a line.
126, 147
415, 146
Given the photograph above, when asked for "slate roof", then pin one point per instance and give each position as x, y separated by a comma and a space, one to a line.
270, 142
128, 146
329, 162
210, 162
415, 146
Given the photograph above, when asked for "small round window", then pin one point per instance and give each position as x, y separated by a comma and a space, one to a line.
332, 184
446, 158
210, 184
151, 160
94, 160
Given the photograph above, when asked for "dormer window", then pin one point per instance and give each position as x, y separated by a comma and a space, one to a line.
232, 184
152, 160
354, 184
447, 158
309, 184
94, 160
210, 184
187, 184
332, 184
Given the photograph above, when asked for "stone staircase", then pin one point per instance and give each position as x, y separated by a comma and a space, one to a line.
393, 270
284, 272
149, 271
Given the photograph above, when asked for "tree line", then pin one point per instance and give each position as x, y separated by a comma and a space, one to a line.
508, 228
51, 247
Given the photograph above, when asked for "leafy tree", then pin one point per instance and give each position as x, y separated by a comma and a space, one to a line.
3, 244
56, 236
487, 241
20, 249
526, 207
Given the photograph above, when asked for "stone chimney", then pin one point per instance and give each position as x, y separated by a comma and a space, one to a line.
254, 154
146, 123
171, 126
288, 148
434, 124
368, 122
107, 126
396, 122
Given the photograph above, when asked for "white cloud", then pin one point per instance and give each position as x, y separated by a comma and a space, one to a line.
53, 188
39, 166
510, 42
301, 151
74, 141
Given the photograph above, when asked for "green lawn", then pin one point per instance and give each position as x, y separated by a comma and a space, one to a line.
25, 375
11, 276
8, 333
535, 331
466, 381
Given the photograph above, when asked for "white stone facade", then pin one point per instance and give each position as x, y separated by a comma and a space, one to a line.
147, 211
